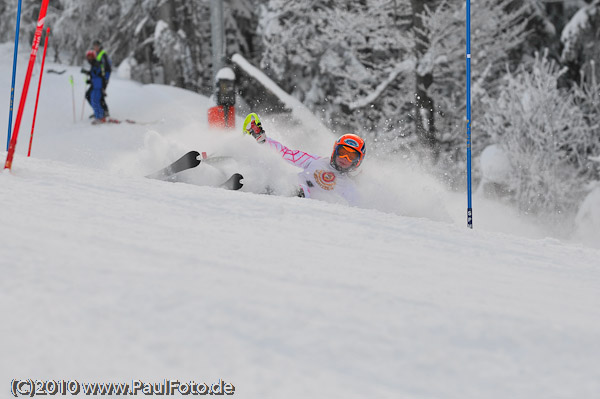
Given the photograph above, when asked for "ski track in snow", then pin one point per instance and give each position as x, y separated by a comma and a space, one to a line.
107, 276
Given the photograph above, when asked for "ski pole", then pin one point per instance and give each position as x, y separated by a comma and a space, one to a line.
73, 95
82, 106
38, 91
14, 72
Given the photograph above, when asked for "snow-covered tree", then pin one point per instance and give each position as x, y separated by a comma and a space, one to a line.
164, 41
581, 41
498, 29
347, 63
546, 137
8, 21
30, 10
76, 24
172, 40
330, 53
240, 27
424, 112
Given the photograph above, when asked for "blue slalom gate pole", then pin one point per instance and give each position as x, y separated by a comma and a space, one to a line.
469, 202
14, 73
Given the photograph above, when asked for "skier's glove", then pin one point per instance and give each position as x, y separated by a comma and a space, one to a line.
256, 131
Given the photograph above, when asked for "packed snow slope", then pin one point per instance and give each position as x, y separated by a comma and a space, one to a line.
111, 277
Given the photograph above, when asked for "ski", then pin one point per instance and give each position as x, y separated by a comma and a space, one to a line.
188, 161
119, 121
233, 183
130, 121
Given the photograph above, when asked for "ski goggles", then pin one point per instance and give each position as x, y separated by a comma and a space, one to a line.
351, 154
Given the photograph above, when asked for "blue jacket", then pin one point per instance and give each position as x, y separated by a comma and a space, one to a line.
96, 76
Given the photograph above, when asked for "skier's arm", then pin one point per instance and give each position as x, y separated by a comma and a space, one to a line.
87, 75
297, 158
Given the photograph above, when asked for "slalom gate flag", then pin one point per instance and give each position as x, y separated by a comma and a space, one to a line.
37, 97
34, 49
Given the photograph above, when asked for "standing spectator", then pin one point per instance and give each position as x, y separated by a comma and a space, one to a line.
106, 66
96, 81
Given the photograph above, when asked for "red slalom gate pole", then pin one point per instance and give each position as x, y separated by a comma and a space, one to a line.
34, 49
38, 91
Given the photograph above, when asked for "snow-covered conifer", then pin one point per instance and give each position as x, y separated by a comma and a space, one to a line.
546, 137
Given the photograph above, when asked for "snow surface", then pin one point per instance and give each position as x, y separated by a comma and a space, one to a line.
108, 276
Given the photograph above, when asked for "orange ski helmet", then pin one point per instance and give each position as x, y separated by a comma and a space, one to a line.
90, 55
352, 148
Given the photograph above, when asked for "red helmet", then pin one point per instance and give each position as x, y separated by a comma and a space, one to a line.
350, 147
91, 54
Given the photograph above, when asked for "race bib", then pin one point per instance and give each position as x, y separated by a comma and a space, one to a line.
325, 179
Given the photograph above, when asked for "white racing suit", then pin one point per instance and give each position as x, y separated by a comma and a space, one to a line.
318, 180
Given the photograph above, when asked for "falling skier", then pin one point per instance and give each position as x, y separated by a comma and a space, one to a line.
321, 178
